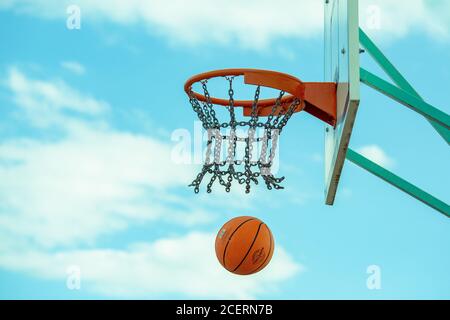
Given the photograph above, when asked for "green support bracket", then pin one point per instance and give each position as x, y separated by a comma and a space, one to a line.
405, 94
398, 182
403, 97
396, 77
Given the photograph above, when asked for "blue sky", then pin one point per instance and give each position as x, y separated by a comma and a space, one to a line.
88, 178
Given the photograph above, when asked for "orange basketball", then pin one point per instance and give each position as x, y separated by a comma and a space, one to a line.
244, 245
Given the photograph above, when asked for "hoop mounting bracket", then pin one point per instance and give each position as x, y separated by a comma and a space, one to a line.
320, 101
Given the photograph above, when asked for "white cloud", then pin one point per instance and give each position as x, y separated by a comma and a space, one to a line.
88, 185
377, 155
255, 24
252, 23
74, 67
90, 181
183, 265
45, 102
398, 19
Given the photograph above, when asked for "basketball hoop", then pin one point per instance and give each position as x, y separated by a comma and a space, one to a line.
269, 115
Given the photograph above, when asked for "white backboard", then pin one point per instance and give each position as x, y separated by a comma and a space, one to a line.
342, 67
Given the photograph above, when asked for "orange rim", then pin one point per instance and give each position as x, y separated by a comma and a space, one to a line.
265, 78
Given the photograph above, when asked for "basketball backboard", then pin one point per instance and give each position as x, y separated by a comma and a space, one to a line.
341, 67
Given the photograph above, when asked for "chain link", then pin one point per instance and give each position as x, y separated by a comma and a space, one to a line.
232, 122
209, 106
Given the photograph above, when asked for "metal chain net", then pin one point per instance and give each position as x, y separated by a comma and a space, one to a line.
221, 164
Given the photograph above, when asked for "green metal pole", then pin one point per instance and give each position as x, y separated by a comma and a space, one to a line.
403, 97
398, 182
396, 77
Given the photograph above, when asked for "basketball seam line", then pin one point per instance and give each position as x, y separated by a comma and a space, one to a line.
249, 249
268, 254
229, 238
